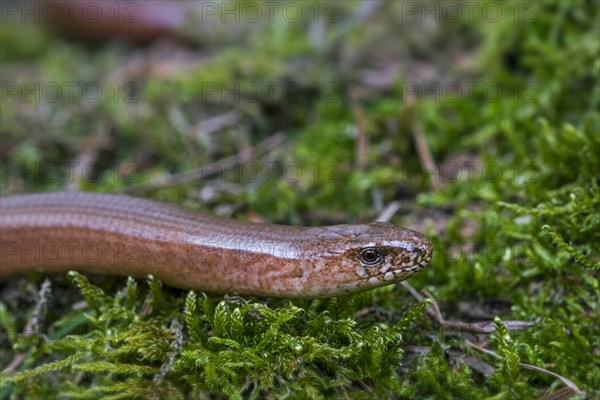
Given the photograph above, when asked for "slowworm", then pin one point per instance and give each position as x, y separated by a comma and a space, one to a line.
114, 234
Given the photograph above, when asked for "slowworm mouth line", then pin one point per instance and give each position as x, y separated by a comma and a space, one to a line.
189, 250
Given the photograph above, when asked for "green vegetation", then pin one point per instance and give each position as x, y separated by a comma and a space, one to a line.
517, 233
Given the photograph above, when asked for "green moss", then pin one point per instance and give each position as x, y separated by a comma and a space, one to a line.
235, 348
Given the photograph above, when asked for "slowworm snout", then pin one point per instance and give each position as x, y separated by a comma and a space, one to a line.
115, 234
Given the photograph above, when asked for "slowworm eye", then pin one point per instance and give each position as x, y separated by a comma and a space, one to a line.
370, 256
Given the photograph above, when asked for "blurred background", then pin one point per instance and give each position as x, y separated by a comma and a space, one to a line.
376, 101
475, 122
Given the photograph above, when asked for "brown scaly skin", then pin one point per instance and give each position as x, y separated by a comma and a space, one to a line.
122, 235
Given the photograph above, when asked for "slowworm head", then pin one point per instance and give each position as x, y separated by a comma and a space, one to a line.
371, 255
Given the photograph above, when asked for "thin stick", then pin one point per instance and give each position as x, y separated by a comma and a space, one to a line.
176, 346
530, 367
477, 328
362, 142
33, 325
201, 173
485, 328
424, 153
389, 211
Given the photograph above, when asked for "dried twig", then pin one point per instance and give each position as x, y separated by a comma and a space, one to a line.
424, 153
33, 325
362, 143
87, 156
483, 327
389, 211
530, 367
201, 173
176, 346
561, 394
487, 327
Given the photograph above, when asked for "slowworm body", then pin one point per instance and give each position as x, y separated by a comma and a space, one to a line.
114, 234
